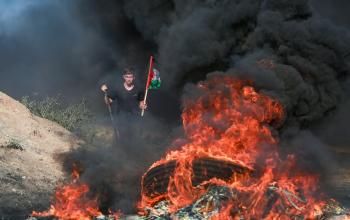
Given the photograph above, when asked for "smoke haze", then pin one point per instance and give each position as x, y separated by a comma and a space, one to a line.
294, 51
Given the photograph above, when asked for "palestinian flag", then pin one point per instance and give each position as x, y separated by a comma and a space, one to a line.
153, 80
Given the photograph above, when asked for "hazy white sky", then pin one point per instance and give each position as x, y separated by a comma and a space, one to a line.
13, 12
10, 9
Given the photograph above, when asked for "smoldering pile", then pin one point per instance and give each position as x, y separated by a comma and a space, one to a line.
210, 205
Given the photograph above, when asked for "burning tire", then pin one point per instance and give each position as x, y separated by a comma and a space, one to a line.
156, 180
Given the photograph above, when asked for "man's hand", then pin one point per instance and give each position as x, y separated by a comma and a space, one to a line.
104, 88
143, 105
108, 100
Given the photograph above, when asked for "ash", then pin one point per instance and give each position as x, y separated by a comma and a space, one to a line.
217, 198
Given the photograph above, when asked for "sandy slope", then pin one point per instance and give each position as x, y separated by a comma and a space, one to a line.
28, 176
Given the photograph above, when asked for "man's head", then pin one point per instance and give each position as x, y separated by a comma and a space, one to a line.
128, 76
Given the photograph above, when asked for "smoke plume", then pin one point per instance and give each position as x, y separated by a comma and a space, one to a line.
287, 48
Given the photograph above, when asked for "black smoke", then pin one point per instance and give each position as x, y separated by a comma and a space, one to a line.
71, 47
334, 10
46, 49
310, 54
67, 47
288, 48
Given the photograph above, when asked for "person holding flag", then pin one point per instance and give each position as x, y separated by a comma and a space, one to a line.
126, 99
123, 101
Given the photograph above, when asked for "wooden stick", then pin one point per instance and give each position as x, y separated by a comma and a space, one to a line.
115, 127
144, 102
146, 90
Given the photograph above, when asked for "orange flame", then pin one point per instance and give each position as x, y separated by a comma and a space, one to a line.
231, 121
72, 203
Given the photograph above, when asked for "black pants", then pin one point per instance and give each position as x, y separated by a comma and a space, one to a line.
128, 126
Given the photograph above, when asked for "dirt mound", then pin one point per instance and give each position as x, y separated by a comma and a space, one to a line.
29, 147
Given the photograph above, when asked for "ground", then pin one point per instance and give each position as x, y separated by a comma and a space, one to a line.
29, 158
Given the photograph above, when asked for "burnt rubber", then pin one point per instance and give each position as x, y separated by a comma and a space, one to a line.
156, 180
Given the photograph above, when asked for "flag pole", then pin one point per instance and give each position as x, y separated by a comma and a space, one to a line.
147, 84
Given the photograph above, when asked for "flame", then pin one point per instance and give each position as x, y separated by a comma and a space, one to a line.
71, 202
231, 121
